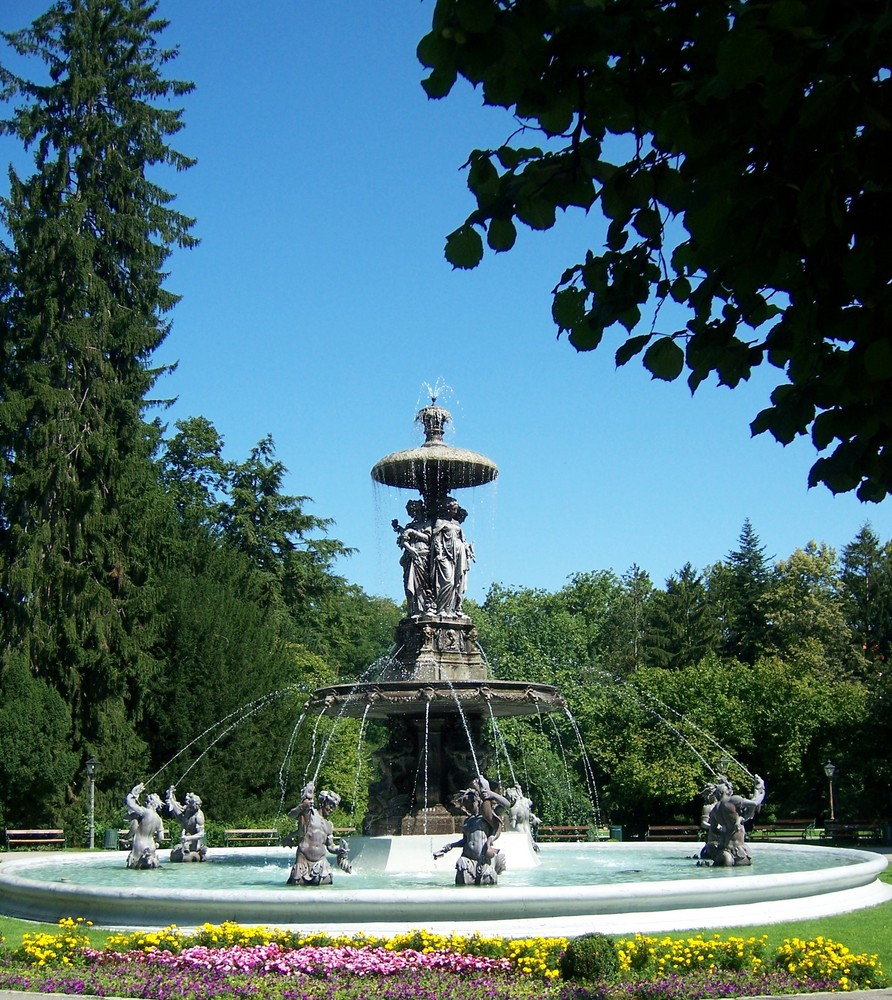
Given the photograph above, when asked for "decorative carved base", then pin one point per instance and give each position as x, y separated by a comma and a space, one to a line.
436, 821
431, 648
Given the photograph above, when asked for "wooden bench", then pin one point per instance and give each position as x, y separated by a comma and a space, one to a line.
248, 838
34, 838
690, 831
568, 834
852, 830
786, 830
267, 838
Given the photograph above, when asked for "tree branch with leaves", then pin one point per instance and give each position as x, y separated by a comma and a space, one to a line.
737, 154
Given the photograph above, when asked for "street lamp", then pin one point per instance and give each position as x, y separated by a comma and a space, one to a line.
830, 770
90, 767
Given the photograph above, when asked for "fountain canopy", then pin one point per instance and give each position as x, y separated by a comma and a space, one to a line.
435, 468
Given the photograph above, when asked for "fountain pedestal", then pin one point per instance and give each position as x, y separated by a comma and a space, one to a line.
435, 692
433, 649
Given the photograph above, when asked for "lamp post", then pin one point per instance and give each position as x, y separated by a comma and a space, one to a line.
830, 770
90, 767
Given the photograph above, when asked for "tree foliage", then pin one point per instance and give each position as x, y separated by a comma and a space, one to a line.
683, 621
654, 730
150, 590
737, 152
738, 585
82, 311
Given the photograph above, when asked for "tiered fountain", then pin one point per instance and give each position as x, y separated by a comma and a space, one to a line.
436, 696
436, 693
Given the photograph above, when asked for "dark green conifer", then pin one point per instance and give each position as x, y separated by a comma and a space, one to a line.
83, 309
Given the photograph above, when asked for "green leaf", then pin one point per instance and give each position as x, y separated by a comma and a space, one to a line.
440, 82
501, 234
510, 157
617, 235
568, 308
483, 178
878, 360
557, 116
681, 289
630, 317
634, 345
664, 359
464, 248
476, 16
432, 49
648, 223
536, 212
587, 335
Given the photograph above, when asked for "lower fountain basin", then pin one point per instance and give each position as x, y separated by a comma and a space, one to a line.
618, 888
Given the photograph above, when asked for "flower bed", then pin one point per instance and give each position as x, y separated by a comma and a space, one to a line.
229, 961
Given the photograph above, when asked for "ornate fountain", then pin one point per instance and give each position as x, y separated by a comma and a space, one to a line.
435, 696
435, 691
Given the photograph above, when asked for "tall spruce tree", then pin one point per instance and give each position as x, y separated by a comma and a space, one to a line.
83, 309
867, 585
683, 628
744, 586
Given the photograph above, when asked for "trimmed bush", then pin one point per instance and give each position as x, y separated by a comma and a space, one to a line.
590, 957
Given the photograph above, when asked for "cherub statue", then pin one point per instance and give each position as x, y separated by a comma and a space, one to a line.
314, 838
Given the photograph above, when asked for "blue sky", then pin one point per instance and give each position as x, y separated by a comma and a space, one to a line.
319, 304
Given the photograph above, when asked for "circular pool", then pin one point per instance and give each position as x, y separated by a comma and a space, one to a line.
567, 889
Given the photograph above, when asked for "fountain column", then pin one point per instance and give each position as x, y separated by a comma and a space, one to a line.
436, 690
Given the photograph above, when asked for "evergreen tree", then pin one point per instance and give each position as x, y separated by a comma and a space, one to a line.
194, 474
83, 310
274, 531
867, 581
740, 594
682, 622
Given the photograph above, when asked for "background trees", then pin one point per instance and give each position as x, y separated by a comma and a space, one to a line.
82, 312
745, 202
167, 608
748, 667
149, 588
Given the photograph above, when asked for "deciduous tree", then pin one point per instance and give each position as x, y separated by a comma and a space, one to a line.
749, 186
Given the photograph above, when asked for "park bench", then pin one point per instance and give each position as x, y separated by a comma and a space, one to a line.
689, 831
248, 838
786, 830
266, 838
34, 838
122, 839
852, 830
567, 834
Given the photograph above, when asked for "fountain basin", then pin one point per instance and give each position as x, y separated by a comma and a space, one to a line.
386, 698
825, 881
434, 469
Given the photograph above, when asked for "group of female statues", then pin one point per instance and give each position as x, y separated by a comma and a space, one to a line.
435, 558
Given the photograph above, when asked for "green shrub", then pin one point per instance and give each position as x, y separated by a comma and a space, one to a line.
591, 956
